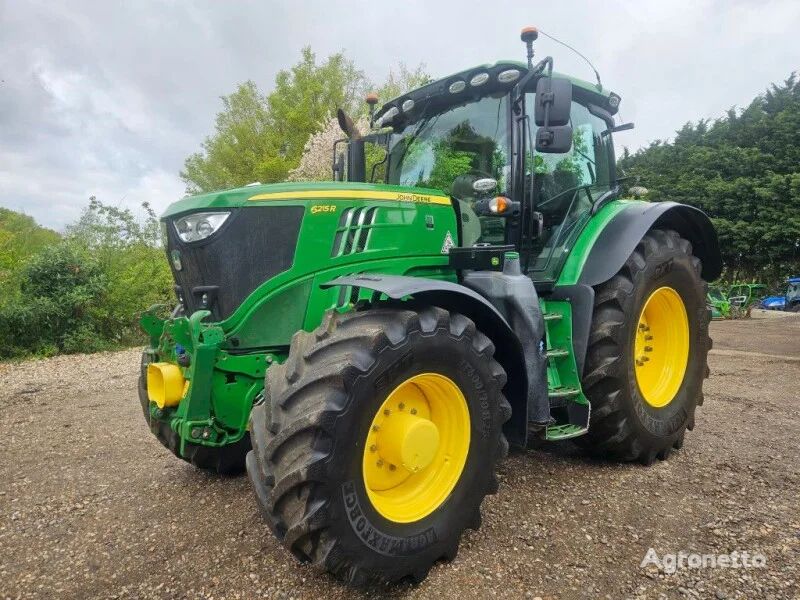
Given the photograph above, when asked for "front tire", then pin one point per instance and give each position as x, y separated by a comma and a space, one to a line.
321, 470
647, 352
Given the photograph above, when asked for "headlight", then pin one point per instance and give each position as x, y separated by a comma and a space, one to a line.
457, 86
508, 76
479, 79
198, 226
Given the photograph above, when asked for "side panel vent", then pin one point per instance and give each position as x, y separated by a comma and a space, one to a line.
353, 231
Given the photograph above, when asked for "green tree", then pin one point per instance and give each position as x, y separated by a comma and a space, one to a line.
399, 81
20, 239
743, 170
240, 151
306, 95
261, 137
128, 252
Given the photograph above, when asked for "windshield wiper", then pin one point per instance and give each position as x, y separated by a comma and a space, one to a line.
417, 131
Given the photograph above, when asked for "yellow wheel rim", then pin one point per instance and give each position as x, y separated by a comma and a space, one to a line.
661, 349
416, 447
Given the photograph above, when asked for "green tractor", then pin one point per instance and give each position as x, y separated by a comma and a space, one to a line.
718, 303
369, 350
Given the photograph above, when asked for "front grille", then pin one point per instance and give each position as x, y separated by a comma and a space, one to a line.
254, 245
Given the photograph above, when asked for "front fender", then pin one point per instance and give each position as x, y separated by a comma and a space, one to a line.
458, 298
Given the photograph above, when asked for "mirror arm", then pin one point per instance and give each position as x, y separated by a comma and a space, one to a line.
622, 127
519, 89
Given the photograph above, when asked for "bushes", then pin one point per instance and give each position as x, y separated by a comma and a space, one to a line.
61, 287
84, 293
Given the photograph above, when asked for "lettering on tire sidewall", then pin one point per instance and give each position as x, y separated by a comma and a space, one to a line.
374, 538
663, 268
482, 396
663, 425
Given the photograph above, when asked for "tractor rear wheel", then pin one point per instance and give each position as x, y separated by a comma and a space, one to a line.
224, 460
377, 441
647, 352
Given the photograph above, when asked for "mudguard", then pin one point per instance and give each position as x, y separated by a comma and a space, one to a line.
620, 237
616, 243
455, 297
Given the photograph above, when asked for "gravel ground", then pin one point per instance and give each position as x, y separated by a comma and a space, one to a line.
92, 506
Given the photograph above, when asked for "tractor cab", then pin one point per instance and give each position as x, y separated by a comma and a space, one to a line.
480, 136
793, 292
745, 294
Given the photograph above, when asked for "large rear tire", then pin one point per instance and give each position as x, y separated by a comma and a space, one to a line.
339, 495
224, 460
647, 352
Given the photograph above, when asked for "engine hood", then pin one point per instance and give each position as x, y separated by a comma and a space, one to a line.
311, 192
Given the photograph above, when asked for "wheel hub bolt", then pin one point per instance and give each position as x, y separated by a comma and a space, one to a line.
373, 448
413, 411
387, 412
379, 463
392, 467
401, 406
648, 348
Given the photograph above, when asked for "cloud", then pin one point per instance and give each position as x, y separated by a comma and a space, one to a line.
107, 99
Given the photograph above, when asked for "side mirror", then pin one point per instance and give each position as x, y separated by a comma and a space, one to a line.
554, 140
551, 113
553, 101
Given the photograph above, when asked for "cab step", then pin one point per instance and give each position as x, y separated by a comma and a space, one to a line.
557, 353
552, 316
564, 432
561, 396
564, 392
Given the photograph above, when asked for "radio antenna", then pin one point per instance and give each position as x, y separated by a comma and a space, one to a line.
588, 62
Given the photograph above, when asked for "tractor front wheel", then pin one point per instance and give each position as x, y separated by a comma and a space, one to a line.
647, 352
377, 441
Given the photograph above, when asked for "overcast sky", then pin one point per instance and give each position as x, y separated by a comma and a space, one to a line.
108, 98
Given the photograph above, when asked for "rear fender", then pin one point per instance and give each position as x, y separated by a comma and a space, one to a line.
458, 298
619, 238
617, 241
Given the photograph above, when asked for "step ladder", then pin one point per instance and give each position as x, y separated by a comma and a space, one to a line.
568, 405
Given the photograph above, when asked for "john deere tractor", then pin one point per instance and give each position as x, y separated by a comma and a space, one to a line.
369, 347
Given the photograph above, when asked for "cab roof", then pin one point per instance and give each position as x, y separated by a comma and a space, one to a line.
440, 88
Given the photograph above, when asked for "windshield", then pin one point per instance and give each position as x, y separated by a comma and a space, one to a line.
449, 150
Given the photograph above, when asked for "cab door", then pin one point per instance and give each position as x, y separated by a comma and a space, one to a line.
566, 186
